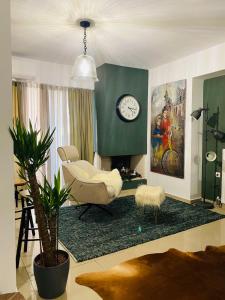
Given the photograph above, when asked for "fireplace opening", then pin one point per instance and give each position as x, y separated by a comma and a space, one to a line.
120, 162
123, 164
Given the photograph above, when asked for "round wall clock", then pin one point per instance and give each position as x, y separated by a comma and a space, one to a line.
128, 108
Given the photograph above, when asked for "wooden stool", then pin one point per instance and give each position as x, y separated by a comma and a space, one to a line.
18, 185
25, 225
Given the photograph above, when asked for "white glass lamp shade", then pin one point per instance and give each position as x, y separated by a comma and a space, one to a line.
84, 68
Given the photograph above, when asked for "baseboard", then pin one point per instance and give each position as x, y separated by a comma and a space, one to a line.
181, 199
135, 183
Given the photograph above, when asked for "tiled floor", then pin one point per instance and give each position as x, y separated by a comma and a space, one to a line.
191, 240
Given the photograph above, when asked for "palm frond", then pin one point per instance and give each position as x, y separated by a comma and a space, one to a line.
53, 197
31, 148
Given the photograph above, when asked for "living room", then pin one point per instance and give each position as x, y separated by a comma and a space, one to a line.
149, 126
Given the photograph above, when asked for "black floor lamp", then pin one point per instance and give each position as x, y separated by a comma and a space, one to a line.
211, 156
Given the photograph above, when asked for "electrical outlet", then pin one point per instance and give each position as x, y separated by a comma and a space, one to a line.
218, 174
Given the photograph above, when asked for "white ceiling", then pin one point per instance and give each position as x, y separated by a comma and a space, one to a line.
138, 33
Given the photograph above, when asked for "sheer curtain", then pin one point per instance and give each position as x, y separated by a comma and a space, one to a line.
44, 123
58, 119
29, 95
30, 110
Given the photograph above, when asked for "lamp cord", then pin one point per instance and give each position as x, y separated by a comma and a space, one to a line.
85, 41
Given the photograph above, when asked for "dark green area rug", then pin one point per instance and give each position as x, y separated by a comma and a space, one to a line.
99, 233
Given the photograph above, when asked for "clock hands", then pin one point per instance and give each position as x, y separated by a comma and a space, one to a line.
132, 108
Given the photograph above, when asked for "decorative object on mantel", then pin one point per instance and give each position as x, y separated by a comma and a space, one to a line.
128, 174
123, 164
99, 235
167, 129
84, 68
212, 124
172, 275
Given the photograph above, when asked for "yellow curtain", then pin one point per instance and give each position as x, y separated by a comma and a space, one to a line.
16, 102
81, 122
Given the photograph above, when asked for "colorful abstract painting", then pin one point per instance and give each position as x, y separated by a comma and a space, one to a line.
167, 128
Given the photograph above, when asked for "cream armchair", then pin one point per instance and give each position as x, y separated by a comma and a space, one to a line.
89, 185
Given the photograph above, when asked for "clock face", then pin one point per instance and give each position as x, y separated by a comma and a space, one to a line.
128, 108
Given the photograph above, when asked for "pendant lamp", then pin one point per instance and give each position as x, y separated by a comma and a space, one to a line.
84, 68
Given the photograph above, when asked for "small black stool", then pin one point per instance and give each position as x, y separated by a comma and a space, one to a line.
25, 225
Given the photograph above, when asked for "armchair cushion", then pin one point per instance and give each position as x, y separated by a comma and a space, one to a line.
111, 179
77, 172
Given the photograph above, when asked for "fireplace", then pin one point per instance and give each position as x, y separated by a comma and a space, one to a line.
120, 162
123, 164
129, 166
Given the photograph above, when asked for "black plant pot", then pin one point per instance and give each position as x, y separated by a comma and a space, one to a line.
51, 281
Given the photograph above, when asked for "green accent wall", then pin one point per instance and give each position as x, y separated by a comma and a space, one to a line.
114, 136
214, 96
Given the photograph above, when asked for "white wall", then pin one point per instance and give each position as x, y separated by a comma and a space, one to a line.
45, 72
195, 68
7, 204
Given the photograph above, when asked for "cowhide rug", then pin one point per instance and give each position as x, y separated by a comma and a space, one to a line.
171, 275
12, 296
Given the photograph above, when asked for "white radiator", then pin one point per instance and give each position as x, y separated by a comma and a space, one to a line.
223, 178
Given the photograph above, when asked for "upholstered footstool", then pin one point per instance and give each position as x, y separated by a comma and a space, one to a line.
152, 196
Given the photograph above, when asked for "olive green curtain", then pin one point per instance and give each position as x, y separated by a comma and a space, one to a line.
81, 122
16, 102
20, 102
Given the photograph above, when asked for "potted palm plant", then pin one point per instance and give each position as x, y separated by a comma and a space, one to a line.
51, 266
